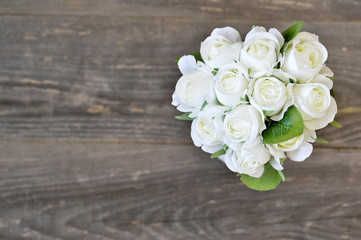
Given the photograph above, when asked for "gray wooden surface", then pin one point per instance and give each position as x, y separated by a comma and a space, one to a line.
89, 148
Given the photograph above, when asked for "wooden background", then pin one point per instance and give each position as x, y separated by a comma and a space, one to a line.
89, 148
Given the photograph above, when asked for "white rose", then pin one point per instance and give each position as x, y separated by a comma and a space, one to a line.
304, 57
247, 160
231, 84
270, 94
261, 49
207, 129
222, 47
316, 105
192, 90
243, 124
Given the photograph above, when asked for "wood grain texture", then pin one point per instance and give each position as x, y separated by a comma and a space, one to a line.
55, 190
272, 10
98, 79
89, 148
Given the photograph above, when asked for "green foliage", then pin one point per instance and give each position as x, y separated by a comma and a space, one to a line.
268, 181
290, 126
197, 56
220, 152
292, 80
320, 140
290, 33
204, 105
277, 66
281, 175
245, 98
332, 93
335, 124
266, 113
215, 70
184, 116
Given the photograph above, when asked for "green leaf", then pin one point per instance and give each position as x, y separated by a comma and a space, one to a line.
197, 56
290, 33
245, 98
320, 140
268, 121
283, 48
266, 113
290, 126
335, 124
218, 153
332, 93
277, 66
215, 70
227, 111
204, 105
268, 181
184, 116
292, 80
282, 160
281, 175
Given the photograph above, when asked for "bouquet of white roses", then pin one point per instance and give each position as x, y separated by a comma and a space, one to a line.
254, 103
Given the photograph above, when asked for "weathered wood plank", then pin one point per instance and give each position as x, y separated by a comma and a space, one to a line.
111, 79
57, 190
272, 10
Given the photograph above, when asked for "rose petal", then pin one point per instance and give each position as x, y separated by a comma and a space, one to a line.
256, 29
228, 160
323, 80
211, 148
222, 158
278, 35
326, 71
318, 123
310, 135
300, 154
258, 173
187, 64
194, 136
228, 32
276, 164
184, 108
289, 102
274, 152
175, 100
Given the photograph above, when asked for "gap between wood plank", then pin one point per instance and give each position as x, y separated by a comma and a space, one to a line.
187, 19
141, 142
133, 223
